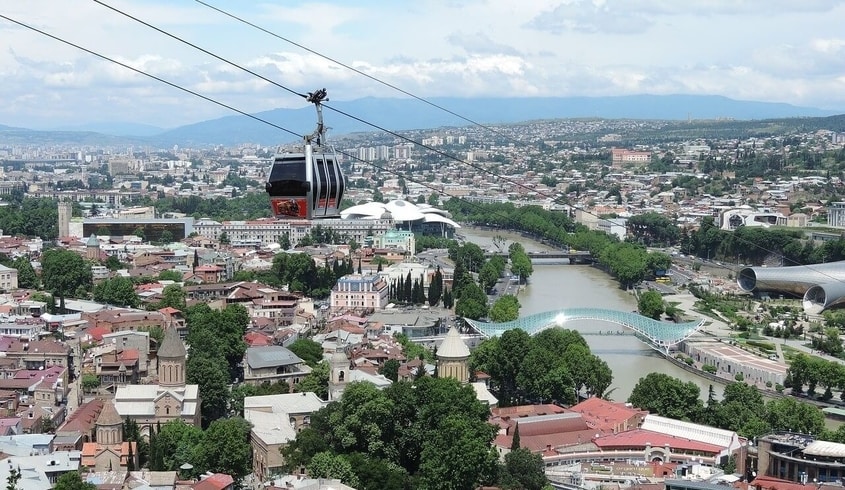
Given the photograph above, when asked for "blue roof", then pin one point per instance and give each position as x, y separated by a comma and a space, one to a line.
659, 334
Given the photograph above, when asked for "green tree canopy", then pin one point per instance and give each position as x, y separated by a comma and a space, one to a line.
666, 396
64, 272
650, 304
505, 309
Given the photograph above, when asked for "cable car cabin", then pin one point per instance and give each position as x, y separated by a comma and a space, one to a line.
306, 185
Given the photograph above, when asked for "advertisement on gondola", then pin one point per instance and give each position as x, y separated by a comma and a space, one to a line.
291, 207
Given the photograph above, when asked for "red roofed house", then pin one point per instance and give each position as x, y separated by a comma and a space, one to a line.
217, 481
541, 432
118, 367
609, 417
209, 273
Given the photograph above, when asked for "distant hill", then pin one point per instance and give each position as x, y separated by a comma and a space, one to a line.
408, 114
21, 136
129, 129
405, 114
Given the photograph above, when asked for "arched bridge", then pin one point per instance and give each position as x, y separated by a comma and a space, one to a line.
660, 335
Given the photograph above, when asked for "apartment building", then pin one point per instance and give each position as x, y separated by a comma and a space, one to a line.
356, 291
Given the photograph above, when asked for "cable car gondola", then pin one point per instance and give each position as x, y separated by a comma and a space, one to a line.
310, 184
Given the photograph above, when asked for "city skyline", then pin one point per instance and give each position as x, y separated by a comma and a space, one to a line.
779, 51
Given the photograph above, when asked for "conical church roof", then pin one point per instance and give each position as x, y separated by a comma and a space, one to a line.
92, 241
453, 347
172, 346
108, 415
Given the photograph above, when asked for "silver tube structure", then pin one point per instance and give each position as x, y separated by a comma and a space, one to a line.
794, 280
823, 296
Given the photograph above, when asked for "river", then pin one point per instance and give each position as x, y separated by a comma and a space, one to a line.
553, 287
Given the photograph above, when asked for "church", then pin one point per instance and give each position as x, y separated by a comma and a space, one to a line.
110, 452
170, 399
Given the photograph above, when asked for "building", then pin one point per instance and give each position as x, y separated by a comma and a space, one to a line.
170, 399
730, 361
836, 214
8, 278
800, 458
151, 229
453, 357
269, 231
356, 291
276, 419
109, 452
621, 156
65, 213
272, 364
401, 240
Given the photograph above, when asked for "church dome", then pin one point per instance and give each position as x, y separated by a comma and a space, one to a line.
453, 347
108, 415
172, 346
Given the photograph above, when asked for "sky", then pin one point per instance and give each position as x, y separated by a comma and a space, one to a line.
790, 51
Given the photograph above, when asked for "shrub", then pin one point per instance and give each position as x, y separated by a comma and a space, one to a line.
739, 377
709, 368
779, 388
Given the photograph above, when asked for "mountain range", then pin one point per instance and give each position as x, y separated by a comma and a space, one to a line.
408, 114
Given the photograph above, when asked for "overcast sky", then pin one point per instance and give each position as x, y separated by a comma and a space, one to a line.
768, 50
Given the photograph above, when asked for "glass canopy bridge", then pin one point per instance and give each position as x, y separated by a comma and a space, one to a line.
660, 335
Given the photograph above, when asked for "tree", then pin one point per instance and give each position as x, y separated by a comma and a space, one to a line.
64, 272
118, 291
72, 481
317, 381
177, 442
666, 396
170, 275
525, 470
328, 465
390, 370
488, 276
173, 296
435, 289
651, 304
458, 455
26, 274
210, 373
788, 414
225, 448
13, 479
90, 382
166, 237
473, 302
224, 238
515, 442
505, 309
309, 351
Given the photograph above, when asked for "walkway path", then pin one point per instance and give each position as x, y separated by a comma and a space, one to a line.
721, 329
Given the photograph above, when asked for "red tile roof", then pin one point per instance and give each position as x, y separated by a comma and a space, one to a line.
217, 481
771, 483
83, 418
639, 438
605, 415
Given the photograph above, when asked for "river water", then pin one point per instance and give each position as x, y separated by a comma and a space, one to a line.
553, 287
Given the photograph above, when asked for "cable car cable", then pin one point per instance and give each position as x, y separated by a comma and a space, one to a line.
352, 68
390, 132
251, 116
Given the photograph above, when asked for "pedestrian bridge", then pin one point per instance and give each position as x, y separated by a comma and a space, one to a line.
660, 335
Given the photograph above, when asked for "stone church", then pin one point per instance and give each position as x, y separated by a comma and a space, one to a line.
170, 399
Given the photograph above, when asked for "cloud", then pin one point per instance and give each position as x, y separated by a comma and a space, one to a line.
480, 43
639, 16
587, 16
